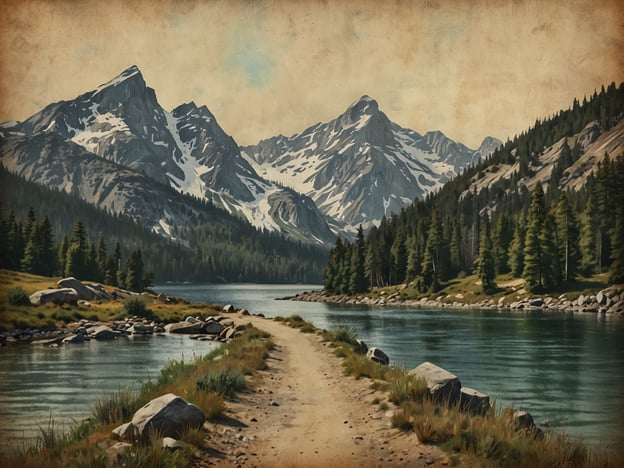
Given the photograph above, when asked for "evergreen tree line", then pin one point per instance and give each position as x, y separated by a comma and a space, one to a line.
546, 236
30, 247
219, 248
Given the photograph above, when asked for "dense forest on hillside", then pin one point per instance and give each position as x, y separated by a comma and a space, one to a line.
544, 235
232, 251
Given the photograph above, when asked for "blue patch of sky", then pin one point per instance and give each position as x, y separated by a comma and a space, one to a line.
249, 54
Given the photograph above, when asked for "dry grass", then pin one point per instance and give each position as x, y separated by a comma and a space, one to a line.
491, 440
50, 315
85, 444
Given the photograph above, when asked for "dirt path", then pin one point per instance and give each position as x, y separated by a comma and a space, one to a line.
303, 412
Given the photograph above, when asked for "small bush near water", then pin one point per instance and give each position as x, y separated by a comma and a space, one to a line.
118, 408
18, 297
137, 306
346, 335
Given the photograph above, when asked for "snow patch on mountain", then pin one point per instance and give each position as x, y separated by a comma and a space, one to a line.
191, 182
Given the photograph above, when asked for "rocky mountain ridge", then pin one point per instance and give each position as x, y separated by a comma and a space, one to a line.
131, 145
117, 148
361, 166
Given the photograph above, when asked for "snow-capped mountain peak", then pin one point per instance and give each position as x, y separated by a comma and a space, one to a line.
360, 166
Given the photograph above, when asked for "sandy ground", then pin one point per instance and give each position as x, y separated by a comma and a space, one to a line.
304, 412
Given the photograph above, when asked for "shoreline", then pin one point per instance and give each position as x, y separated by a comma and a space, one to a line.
272, 401
609, 301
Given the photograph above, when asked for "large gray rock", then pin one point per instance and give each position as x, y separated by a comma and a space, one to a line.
377, 355
185, 327
212, 327
473, 401
444, 387
168, 415
99, 291
56, 296
102, 332
523, 420
83, 291
74, 338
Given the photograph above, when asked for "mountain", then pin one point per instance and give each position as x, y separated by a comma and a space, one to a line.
118, 132
545, 207
361, 166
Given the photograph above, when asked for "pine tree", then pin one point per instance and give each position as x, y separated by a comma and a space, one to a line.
332, 269
567, 237
516, 251
485, 261
134, 272
616, 272
431, 258
533, 271
550, 271
455, 248
357, 281
501, 240
414, 260
398, 254
587, 241
101, 259
77, 261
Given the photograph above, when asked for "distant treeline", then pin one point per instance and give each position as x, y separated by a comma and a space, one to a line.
545, 236
207, 252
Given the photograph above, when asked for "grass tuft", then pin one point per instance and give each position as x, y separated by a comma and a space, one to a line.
223, 382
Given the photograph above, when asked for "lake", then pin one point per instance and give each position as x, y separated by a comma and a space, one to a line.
564, 369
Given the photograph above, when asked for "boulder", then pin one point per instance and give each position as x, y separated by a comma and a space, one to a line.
76, 338
168, 415
102, 332
162, 298
99, 290
361, 347
83, 292
377, 355
185, 327
601, 298
538, 302
443, 386
523, 420
56, 296
212, 327
229, 309
139, 329
474, 402
123, 432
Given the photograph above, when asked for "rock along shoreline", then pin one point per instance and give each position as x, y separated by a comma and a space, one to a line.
607, 301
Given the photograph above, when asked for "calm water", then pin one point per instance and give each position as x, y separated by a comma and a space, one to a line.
562, 368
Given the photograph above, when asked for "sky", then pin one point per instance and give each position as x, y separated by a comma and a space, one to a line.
469, 68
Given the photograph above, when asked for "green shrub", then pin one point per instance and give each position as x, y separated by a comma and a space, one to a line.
406, 387
223, 382
120, 407
18, 297
136, 305
402, 420
346, 335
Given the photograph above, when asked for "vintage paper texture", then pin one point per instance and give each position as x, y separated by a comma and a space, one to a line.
468, 68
